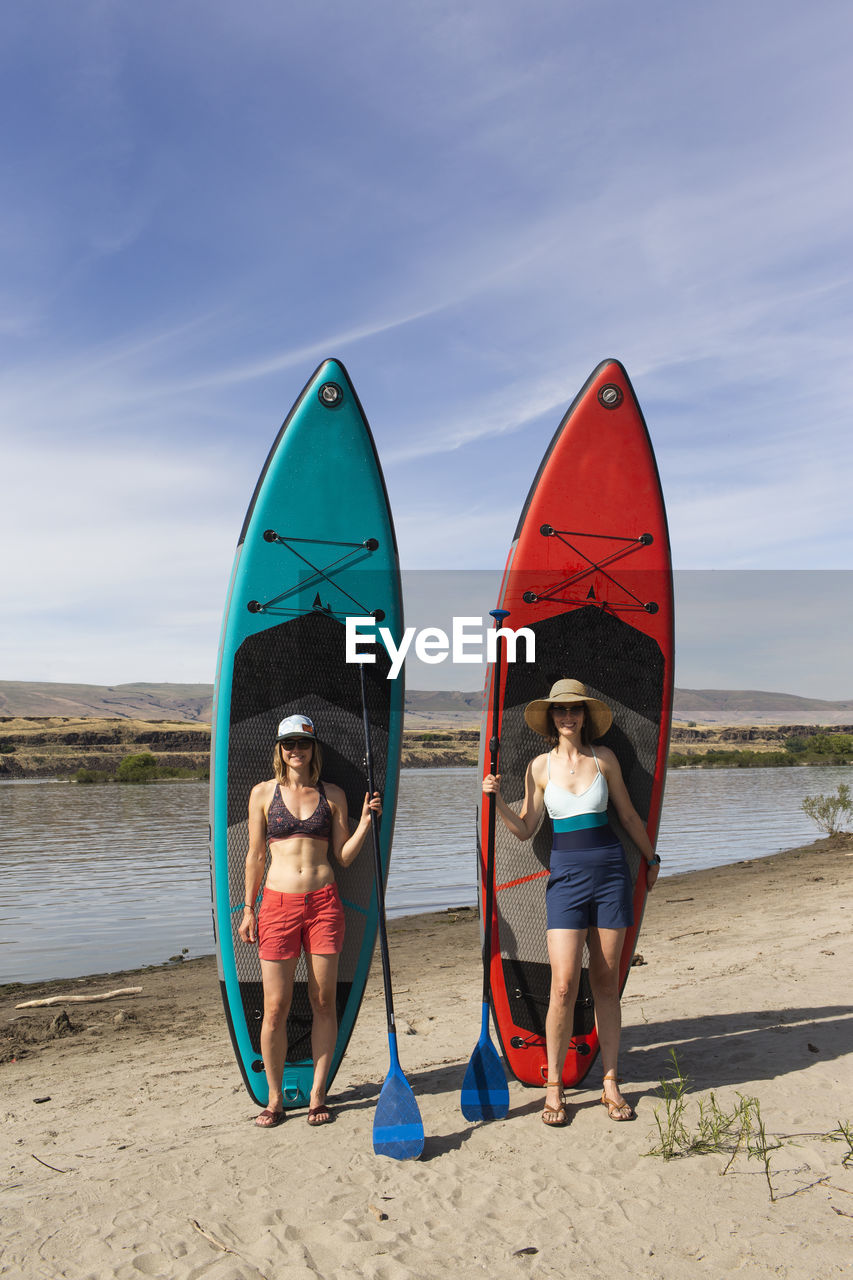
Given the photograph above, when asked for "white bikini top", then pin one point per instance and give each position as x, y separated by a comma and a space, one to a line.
561, 803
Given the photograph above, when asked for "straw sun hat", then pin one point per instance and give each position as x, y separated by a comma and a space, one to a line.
564, 692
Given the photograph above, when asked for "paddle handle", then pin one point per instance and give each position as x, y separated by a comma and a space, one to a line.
494, 749
377, 866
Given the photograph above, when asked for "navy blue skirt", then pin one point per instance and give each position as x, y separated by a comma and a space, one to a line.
589, 884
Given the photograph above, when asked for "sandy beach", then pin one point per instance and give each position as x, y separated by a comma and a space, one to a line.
129, 1146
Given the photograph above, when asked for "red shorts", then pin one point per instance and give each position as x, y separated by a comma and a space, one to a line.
289, 921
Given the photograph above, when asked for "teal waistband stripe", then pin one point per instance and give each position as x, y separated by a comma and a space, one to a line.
580, 823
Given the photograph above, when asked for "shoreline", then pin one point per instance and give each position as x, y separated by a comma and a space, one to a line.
131, 1146
410, 923
705, 880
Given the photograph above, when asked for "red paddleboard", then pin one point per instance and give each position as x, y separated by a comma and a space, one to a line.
589, 573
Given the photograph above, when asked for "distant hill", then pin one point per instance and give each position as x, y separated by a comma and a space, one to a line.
428, 707
748, 706
702, 706
424, 708
193, 702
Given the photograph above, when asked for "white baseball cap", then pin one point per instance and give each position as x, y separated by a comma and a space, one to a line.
296, 727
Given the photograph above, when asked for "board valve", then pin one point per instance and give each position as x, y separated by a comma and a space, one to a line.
330, 395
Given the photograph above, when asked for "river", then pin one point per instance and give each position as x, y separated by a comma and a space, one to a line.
101, 878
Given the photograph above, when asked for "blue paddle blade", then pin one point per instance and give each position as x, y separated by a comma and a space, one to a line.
485, 1093
398, 1130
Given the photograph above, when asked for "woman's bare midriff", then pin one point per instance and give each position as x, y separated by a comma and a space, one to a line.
299, 865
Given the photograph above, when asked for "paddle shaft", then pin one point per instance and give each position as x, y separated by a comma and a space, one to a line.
494, 748
377, 864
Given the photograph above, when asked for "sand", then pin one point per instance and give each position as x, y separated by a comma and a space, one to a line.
129, 1146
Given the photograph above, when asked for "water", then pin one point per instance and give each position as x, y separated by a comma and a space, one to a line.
712, 817
94, 879
99, 878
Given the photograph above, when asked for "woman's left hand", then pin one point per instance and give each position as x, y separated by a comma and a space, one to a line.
375, 805
652, 873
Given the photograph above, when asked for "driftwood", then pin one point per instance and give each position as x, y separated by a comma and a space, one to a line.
51, 1166
105, 995
217, 1244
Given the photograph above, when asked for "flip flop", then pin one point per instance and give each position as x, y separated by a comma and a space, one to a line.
319, 1115
267, 1119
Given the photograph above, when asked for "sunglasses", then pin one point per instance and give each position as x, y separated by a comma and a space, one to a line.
290, 744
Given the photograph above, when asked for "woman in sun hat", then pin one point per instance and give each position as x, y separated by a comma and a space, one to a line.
589, 892
302, 821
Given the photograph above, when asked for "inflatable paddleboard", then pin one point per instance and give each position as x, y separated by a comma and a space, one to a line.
589, 573
317, 546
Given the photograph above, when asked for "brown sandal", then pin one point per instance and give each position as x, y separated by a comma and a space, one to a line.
267, 1119
319, 1115
555, 1117
618, 1111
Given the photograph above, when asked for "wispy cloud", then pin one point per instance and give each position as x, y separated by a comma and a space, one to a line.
472, 207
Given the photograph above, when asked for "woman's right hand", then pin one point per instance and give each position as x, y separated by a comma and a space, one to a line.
248, 929
492, 784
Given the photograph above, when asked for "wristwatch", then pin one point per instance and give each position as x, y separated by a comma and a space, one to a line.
654, 861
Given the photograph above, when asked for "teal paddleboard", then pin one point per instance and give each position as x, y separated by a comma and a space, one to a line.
317, 546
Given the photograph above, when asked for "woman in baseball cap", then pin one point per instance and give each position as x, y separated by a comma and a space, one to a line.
589, 892
302, 821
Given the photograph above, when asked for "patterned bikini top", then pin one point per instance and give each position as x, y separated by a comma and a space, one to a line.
283, 825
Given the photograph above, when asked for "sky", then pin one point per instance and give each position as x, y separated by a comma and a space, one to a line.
471, 206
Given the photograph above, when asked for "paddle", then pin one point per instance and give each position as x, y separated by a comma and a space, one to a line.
398, 1130
485, 1093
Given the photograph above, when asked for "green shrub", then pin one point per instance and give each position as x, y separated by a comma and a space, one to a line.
201, 774
682, 759
831, 813
138, 768
831, 744
731, 758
